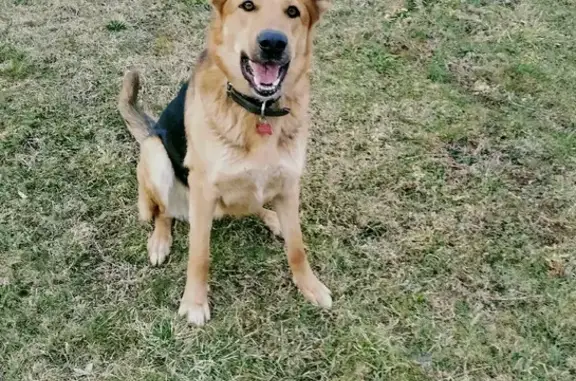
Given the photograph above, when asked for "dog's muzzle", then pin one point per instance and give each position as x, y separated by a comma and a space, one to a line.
267, 68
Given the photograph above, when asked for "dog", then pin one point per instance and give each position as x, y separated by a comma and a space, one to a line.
233, 139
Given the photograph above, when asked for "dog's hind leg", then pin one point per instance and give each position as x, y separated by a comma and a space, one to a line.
161, 239
155, 180
270, 218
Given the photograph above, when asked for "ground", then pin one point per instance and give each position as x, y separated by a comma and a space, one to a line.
438, 202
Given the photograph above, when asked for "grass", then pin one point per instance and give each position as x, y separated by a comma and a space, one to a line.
438, 202
115, 26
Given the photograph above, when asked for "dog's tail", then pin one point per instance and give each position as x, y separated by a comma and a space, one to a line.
138, 122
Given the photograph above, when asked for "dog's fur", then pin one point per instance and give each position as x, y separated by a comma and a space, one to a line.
232, 169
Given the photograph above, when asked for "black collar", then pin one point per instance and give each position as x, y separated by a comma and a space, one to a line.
256, 106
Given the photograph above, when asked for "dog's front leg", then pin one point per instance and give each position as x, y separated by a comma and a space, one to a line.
194, 304
287, 206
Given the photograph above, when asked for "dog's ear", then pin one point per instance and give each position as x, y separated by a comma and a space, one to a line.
318, 7
218, 4
323, 6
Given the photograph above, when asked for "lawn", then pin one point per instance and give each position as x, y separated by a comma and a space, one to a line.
438, 204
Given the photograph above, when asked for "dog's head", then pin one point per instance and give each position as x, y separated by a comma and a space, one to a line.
264, 46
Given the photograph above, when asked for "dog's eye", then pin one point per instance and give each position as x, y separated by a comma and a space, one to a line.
292, 12
248, 6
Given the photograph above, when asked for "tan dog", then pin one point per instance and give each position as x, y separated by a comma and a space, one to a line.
233, 140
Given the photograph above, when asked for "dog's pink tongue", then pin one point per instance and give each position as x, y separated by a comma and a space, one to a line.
265, 74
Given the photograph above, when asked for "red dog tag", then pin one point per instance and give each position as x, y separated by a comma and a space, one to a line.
264, 128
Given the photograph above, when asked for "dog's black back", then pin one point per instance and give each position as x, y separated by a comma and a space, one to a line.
170, 129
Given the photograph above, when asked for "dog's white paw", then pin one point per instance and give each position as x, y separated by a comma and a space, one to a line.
313, 290
195, 313
158, 248
270, 218
194, 304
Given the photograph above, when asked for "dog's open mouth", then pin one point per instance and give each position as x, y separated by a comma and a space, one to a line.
265, 78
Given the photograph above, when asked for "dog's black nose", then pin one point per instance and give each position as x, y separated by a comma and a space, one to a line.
272, 43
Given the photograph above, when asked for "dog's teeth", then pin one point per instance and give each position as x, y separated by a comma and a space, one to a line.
266, 88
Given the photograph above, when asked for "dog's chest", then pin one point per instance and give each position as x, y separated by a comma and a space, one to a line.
244, 185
